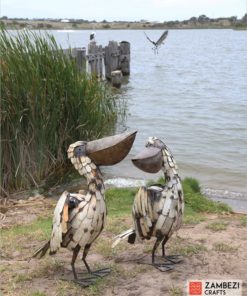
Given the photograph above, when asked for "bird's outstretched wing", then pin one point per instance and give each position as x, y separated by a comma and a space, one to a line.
162, 38
149, 39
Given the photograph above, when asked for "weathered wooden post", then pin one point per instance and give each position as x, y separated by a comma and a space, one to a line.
81, 59
92, 49
100, 55
111, 58
124, 58
116, 78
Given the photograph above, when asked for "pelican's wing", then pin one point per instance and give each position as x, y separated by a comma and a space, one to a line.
149, 39
61, 218
86, 221
144, 210
162, 38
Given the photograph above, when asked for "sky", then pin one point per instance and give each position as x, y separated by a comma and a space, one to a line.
126, 10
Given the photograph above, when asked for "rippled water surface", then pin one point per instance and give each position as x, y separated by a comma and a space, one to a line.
193, 95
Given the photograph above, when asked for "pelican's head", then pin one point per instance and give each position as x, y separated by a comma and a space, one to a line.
155, 142
105, 151
150, 159
77, 149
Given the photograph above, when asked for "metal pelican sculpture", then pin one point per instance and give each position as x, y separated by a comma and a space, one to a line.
159, 42
80, 217
157, 210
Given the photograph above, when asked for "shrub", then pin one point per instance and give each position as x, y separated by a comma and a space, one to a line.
46, 104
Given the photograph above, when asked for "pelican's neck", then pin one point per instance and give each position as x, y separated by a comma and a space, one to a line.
92, 173
169, 167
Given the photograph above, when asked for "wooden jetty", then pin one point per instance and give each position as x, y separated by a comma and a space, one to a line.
111, 62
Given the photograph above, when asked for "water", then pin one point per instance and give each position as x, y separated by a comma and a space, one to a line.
193, 95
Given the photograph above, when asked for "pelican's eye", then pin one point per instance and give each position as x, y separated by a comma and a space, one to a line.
80, 151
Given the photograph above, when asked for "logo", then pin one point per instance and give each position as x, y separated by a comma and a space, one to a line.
195, 288
214, 287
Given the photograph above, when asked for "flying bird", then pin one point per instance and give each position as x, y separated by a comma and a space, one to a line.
158, 209
157, 43
80, 217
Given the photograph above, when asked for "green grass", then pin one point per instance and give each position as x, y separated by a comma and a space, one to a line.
217, 226
198, 202
119, 205
243, 221
22, 277
46, 104
40, 228
175, 291
224, 248
25, 239
15, 238
182, 247
120, 201
37, 293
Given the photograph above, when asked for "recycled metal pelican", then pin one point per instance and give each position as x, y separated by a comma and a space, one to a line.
79, 218
157, 210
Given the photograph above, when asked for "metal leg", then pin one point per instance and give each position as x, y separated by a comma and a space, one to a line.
163, 266
154, 249
91, 276
98, 273
83, 282
175, 259
75, 254
163, 246
85, 252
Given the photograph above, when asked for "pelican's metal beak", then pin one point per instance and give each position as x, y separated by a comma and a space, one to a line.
110, 150
150, 160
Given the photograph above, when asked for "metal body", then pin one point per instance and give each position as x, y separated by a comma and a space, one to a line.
79, 218
158, 209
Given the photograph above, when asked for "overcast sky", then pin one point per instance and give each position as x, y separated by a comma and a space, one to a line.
152, 10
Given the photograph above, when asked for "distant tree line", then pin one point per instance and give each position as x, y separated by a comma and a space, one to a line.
202, 21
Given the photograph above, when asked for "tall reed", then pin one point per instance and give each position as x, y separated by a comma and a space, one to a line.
46, 104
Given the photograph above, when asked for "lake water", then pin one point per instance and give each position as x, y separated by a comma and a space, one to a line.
193, 95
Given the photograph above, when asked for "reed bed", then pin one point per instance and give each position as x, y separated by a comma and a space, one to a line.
46, 104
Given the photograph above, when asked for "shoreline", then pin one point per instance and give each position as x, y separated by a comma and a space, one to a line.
43, 24
236, 200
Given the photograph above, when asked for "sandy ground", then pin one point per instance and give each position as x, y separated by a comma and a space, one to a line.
208, 253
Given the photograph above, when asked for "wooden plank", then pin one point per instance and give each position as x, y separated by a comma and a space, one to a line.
92, 61
100, 61
81, 59
124, 58
111, 58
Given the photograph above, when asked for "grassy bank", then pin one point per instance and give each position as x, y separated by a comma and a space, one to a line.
119, 201
196, 241
46, 104
119, 204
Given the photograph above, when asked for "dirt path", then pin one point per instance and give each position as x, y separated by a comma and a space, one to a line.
212, 249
